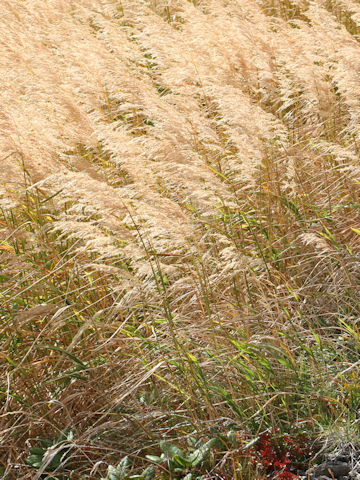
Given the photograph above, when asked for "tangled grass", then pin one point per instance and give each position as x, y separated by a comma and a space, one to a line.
179, 230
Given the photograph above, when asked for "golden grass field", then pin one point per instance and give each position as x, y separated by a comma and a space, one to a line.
179, 232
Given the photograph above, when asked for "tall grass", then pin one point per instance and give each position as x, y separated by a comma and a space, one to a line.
179, 233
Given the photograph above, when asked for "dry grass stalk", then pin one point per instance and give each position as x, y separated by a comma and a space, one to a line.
179, 197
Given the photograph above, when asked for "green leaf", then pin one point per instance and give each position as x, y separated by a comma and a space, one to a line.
34, 461
51, 196
37, 451
181, 460
123, 467
171, 450
148, 473
192, 442
231, 435
201, 453
70, 355
112, 473
60, 443
195, 458
155, 459
291, 206
55, 462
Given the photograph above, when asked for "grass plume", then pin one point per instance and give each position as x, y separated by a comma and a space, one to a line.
179, 228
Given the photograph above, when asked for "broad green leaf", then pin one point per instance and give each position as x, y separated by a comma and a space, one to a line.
112, 473
34, 461
123, 467
170, 450
37, 451
195, 458
192, 442
148, 473
181, 460
201, 453
155, 459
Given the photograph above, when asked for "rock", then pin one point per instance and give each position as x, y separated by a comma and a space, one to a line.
332, 469
341, 458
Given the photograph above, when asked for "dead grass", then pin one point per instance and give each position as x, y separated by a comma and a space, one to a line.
179, 228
